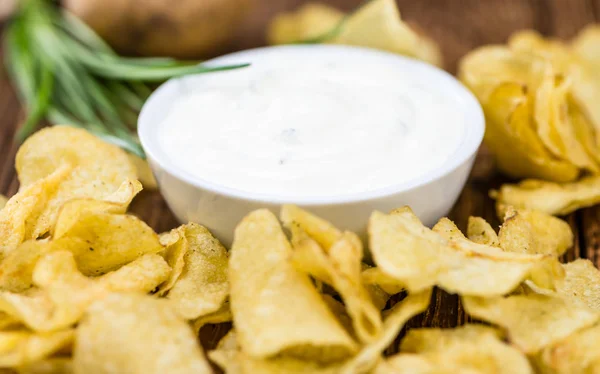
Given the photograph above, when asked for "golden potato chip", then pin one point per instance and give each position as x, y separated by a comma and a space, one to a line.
578, 353
133, 333
375, 276
109, 241
267, 294
3, 200
377, 24
310, 21
317, 228
532, 322
586, 43
378, 295
98, 170
53, 365
340, 268
583, 128
393, 322
143, 172
480, 231
118, 202
508, 114
19, 348
176, 246
202, 286
65, 293
470, 348
548, 197
418, 258
22, 211
529, 231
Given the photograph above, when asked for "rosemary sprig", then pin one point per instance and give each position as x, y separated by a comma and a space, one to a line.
65, 73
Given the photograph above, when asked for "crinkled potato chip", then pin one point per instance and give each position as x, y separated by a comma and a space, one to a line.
64, 293
268, 293
548, 197
532, 322
108, 241
481, 232
470, 348
325, 233
99, 168
22, 211
18, 348
176, 246
578, 353
118, 202
375, 24
133, 333
393, 322
202, 287
529, 231
340, 268
418, 258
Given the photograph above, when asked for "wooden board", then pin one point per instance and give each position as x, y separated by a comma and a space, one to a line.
458, 26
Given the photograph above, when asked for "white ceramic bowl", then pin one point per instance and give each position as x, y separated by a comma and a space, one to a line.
219, 208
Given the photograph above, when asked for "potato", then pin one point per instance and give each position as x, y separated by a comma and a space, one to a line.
185, 29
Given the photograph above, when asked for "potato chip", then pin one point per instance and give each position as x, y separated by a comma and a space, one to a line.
340, 268
532, 322
309, 21
267, 294
17, 268
581, 284
19, 348
65, 293
176, 246
23, 209
470, 348
393, 322
480, 231
53, 365
548, 197
578, 353
319, 229
133, 333
118, 202
508, 114
534, 232
99, 168
3, 200
375, 24
109, 241
202, 286
143, 172
417, 258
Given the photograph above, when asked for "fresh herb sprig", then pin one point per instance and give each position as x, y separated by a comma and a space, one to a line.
65, 73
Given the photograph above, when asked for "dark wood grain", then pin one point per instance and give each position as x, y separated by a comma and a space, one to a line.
458, 26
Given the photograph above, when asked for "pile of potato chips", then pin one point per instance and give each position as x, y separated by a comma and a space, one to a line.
87, 288
540, 98
376, 24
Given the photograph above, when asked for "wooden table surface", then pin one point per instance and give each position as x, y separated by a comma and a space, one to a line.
458, 26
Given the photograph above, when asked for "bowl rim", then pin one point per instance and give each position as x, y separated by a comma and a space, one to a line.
466, 148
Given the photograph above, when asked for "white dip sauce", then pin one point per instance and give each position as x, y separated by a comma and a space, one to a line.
311, 126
